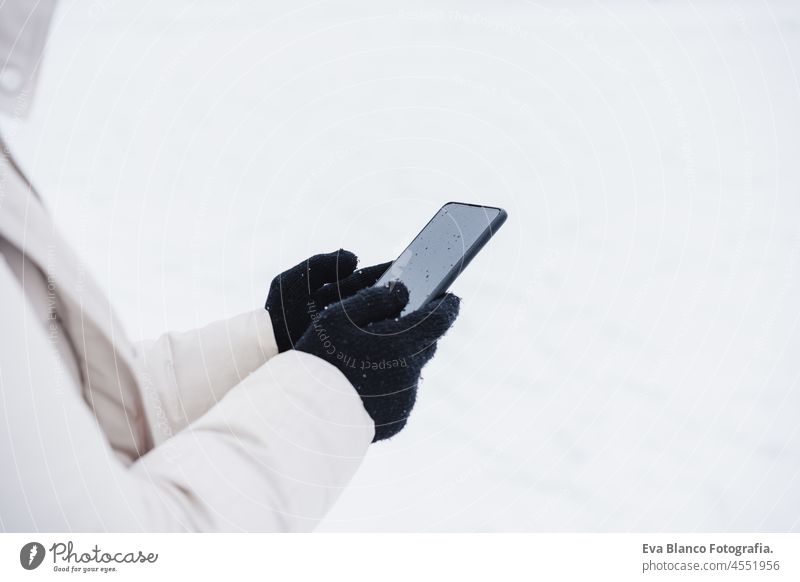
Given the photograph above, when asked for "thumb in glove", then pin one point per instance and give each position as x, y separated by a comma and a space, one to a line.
380, 353
319, 280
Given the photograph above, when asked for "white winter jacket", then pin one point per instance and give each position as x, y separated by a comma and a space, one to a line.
207, 430
204, 430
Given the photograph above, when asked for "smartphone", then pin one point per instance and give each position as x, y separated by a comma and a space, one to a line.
442, 249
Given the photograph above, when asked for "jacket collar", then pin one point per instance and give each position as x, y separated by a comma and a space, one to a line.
23, 35
25, 224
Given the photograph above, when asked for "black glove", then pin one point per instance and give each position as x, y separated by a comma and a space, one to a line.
380, 353
311, 286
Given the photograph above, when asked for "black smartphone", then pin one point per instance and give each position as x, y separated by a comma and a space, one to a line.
442, 249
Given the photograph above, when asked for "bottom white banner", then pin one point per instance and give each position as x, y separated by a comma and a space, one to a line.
388, 557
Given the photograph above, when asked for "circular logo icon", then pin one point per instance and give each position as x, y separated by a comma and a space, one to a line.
31, 555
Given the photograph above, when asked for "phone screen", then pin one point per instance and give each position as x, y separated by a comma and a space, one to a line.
441, 248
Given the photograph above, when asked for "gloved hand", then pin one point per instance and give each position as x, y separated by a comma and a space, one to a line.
311, 286
381, 353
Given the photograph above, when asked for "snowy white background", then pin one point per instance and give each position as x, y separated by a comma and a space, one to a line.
628, 353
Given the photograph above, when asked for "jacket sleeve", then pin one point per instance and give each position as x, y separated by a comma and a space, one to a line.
189, 372
272, 455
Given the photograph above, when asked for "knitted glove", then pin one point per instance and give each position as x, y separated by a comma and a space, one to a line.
311, 286
381, 354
